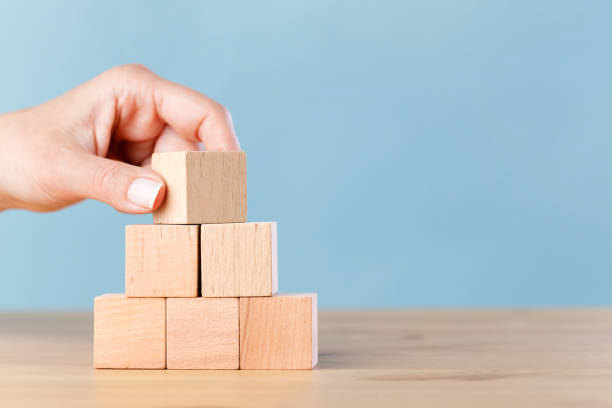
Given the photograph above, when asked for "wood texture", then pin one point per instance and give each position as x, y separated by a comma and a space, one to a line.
202, 333
239, 260
129, 332
387, 358
279, 332
202, 187
162, 260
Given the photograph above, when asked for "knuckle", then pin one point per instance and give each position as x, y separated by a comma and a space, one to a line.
106, 178
126, 71
134, 68
221, 110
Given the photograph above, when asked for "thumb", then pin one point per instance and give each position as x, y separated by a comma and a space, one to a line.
127, 188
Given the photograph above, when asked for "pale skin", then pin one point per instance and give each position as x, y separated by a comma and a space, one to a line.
96, 142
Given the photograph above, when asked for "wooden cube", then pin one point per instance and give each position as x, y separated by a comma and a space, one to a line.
202, 187
129, 332
202, 333
162, 260
239, 259
279, 332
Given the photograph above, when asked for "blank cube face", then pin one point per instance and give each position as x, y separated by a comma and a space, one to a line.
202, 187
279, 332
161, 260
202, 333
129, 332
239, 260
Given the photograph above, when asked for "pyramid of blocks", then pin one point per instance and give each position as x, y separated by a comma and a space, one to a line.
201, 282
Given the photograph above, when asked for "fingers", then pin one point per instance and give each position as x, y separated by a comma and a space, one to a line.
145, 103
139, 153
126, 113
170, 141
125, 187
195, 116
147, 114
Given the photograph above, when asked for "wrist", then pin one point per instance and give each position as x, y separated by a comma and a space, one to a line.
6, 152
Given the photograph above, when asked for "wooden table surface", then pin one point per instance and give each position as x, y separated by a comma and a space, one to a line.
434, 358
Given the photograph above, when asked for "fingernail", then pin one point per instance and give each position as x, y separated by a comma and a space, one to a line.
143, 192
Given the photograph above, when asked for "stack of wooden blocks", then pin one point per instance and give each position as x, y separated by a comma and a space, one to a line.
201, 283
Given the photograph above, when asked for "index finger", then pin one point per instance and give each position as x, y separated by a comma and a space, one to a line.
195, 116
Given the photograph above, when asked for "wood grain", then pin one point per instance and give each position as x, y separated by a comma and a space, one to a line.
389, 358
172, 166
129, 332
239, 260
279, 332
162, 260
202, 333
202, 187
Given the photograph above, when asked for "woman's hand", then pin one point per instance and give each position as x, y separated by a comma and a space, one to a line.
96, 141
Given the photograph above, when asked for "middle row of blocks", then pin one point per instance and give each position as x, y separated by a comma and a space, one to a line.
226, 260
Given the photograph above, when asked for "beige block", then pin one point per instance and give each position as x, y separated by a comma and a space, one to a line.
129, 332
279, 332
239, 260
202, 333
161, 260
202, 187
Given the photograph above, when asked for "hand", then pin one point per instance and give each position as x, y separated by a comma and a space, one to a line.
96, 141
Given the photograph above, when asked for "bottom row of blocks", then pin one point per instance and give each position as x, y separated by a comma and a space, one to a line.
278, 332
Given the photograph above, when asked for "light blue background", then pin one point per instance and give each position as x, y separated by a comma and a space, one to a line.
421, 153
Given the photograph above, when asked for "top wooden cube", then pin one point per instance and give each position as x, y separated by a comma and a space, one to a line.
202, 187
